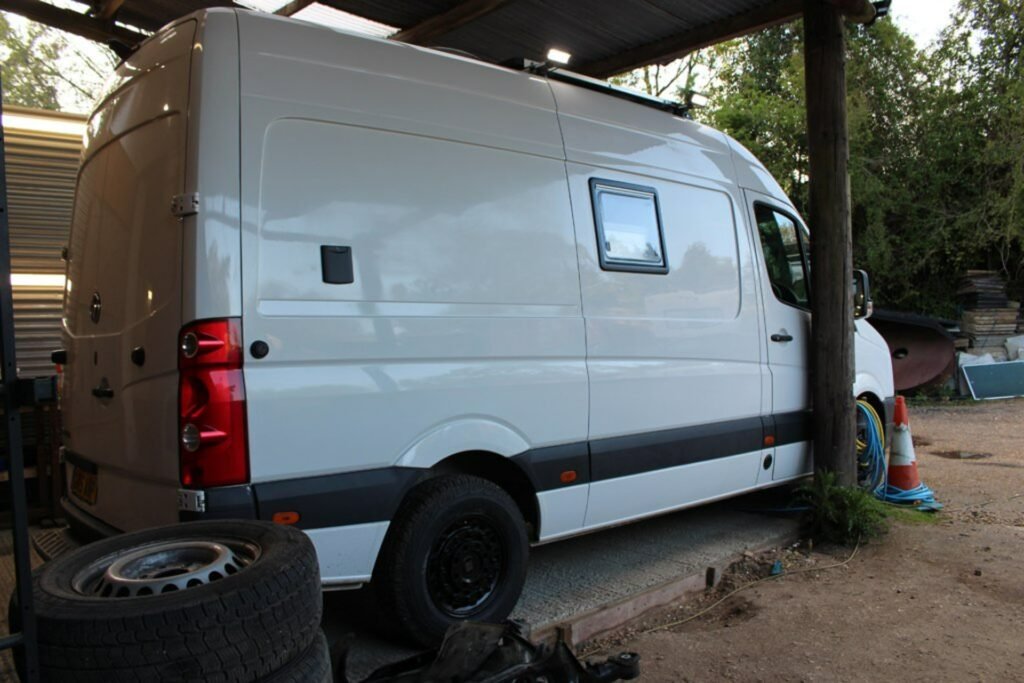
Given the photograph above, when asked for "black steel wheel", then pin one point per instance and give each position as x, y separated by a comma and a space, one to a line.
456, 550
465, 566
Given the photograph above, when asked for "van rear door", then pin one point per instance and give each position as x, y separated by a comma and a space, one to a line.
123, 304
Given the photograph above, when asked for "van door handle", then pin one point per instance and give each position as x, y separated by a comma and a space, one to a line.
782, 337
103, 391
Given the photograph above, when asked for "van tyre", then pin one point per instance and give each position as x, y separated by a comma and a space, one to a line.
456, 550
247, 601
312, 666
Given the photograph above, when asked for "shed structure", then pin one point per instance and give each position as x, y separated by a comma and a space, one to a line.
606, 37
42, 151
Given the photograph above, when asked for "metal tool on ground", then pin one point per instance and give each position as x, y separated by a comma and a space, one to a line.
500, 653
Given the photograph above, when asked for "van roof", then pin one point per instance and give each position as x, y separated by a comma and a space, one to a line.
634, 109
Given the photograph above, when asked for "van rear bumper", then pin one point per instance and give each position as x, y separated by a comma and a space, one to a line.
222, 502
85, 525
227, 502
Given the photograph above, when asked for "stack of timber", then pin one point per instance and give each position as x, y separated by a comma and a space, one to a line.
989, 317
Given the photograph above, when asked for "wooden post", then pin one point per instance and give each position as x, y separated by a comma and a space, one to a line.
831, 243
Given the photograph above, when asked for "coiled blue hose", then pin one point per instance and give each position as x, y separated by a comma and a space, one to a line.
871, 466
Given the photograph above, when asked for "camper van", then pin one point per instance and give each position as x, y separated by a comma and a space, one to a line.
430, 310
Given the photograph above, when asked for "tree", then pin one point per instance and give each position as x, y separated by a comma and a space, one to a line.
977, 128
758, 98
678, 80
936, 144
45, 68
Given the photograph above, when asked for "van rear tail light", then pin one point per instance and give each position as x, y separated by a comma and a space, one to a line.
213, 444
211, 342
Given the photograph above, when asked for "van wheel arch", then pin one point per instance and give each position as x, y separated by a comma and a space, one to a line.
502, 472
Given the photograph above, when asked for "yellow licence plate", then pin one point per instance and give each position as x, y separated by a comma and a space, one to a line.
84, 485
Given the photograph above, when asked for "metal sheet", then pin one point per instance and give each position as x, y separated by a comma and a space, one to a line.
591, 31
995, 380
922, 350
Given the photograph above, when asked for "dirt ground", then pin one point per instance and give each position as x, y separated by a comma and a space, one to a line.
936, 599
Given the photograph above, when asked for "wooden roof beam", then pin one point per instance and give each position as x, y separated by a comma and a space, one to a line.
857, 11
72, 22
293, 7
831, 348
667, 49
106, 9
446, 22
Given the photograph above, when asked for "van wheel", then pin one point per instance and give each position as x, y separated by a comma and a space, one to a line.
457, 550
218, 600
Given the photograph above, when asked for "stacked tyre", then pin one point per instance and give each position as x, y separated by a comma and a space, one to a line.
231, 601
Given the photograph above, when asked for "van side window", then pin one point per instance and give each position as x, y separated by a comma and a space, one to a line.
629, 232
785, 248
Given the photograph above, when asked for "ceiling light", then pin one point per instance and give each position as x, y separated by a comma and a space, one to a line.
37, 280
695, 99
557, 56
57, 125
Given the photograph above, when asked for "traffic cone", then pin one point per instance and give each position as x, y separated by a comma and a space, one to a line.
902, 460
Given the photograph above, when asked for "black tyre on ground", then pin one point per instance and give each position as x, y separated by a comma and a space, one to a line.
312, 666
204, 601
456, 550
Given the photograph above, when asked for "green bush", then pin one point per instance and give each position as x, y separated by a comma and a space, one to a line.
840, 514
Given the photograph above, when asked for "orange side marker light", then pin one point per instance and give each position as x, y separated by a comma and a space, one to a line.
286, 518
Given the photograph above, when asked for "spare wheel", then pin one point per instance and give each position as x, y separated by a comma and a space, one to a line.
217, 600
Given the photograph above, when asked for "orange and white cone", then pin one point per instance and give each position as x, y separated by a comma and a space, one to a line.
902, 460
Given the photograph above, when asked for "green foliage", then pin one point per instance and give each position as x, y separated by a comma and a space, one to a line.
758, 98
936, 144
909, 515
677, 80
48, 69
22, 82
840, 514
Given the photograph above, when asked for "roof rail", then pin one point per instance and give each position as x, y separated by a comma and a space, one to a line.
550, 71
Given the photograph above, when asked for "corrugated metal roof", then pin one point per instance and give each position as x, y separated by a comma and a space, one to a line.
602, 35
328, 16
591, 31
152, 14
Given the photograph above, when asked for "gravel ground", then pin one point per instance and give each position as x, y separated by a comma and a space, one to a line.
940, 598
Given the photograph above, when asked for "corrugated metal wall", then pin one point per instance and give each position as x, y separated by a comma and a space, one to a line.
42, 153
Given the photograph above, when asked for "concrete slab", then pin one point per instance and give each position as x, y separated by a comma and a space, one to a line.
595, 582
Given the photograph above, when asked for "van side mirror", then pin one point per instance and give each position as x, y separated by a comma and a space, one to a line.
863, 306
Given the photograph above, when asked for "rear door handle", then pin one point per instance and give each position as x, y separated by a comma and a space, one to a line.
782, 337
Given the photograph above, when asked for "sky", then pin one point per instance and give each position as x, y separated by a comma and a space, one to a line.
922, 19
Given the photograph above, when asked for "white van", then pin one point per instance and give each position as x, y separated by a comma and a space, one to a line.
428, 309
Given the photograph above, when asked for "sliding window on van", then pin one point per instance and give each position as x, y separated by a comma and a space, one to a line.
785, 248
628, 223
